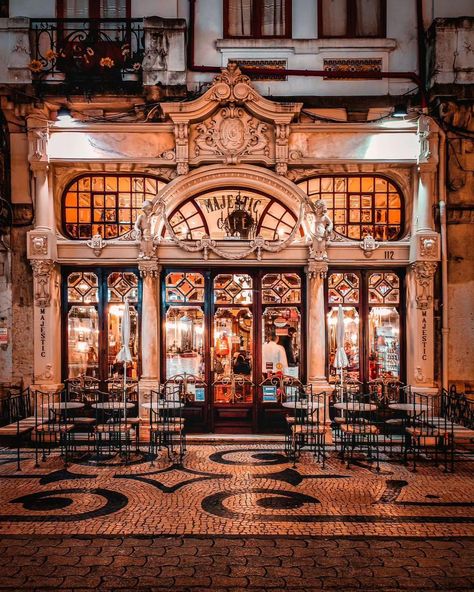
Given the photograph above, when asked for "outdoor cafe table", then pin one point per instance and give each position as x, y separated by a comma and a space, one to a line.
163, 405
413, 408
303, 405
112, 405
63, 405
355, 407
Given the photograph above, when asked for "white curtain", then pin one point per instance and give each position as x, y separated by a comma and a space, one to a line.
274, 18
113, 8
334, 16
368, 18
240, 18
76, 9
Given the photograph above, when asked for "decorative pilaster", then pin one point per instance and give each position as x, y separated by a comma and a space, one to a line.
47, 322
420, 325
182, 148
150, 334
316, 329
282, 134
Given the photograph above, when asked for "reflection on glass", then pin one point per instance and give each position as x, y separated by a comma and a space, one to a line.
281, 330
351, 340
83, 341
121, 285
233, 289
184, 341
114, 324
233, 348
384, 343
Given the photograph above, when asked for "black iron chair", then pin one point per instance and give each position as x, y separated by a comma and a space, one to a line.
167, 425
112, 431
360, 431
52, 424
428, 435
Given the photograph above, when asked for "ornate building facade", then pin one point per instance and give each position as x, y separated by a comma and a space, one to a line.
235, 224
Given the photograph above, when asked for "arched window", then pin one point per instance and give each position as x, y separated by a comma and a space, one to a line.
105, 204
235, 214
360, 205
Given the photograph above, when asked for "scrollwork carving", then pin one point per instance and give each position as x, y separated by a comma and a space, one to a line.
424, 273
42, 270
231, 133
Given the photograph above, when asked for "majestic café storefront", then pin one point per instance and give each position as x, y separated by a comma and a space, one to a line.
235, 228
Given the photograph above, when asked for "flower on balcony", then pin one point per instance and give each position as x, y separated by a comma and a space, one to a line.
89, 51
35, 66
136, 66
51, 55
107, 62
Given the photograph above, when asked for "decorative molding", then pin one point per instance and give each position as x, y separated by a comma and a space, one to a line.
429, 247
38, 245
231, 133
424, 273
149, 268
38, 139
42, 271
96, 243
317, 269
368, 244
340, 66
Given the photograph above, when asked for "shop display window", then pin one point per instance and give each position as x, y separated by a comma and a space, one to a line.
351, 341
384, 343
83, 341
281, 341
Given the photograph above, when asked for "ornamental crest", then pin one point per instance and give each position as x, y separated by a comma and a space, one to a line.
231, 133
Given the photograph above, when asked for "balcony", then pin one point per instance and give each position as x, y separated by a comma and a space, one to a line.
87, 54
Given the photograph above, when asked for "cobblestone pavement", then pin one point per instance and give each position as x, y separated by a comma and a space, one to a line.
233, 518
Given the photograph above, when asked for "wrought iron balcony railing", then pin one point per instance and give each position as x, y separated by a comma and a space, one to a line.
87, 50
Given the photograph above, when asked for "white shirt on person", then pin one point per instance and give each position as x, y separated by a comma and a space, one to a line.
276, 355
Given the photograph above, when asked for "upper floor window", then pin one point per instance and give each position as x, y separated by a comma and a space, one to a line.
93, 9
105, 204
352, 18
360, 205
257, 18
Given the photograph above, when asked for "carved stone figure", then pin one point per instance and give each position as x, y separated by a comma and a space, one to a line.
157, 53
424, 273
143, 231
42, 281
424, 133
321, 229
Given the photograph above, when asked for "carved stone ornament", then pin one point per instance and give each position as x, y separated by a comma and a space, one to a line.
39, 144
317, 269
47, 375
424, 273
149, 268
38, 245
424, 134
143, 231
42, 270
420, 378
231, 133
368, 244
428, 247
321, 227
231, 85
96, 243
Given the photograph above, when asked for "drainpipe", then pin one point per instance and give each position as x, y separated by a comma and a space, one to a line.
192, 67
444, 258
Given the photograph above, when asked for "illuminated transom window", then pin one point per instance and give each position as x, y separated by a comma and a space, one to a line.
281, 288
343, 288
384, 288
107, 205
238, 214
83, 286
184, 287
360, 205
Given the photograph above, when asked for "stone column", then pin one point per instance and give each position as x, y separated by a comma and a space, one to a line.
150, 328
316, 325
424, 220
420, 326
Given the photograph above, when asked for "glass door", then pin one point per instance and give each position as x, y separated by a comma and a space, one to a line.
233, 355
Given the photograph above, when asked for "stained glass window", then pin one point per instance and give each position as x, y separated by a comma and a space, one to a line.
107, 205
384, 288
360, 205
233, 289
83, 286
121, 285
343, 288
184, 287
281, 288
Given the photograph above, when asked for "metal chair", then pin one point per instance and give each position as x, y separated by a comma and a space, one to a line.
112, 431
52, 425
428, 435
360, 430
166, 420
